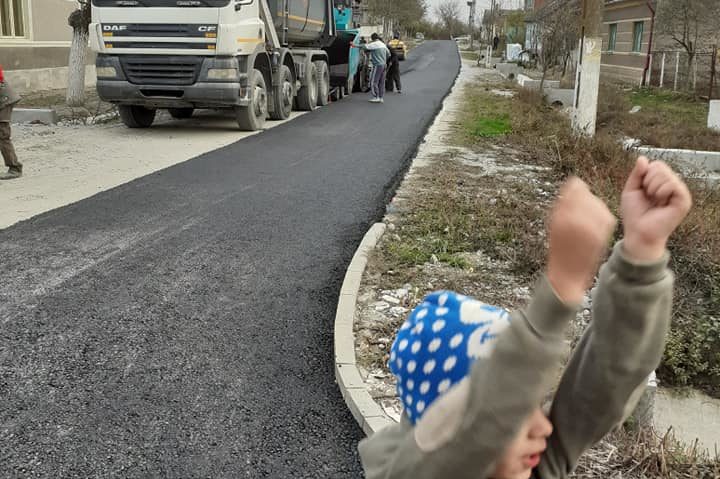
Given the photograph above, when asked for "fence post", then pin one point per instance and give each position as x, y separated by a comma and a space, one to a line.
649, 76
677, 69
695, 62
662, 71
712, 71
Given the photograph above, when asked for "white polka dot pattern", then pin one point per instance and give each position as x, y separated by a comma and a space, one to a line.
437, 345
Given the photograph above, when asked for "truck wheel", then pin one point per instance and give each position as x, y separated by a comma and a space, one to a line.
136, 116
307, 97
283, 95
323, 77
252, 117
181, 113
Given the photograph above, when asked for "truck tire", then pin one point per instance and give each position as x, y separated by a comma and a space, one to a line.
283, 95
181, 113
253, 116
323, 78
136, 116
307, 97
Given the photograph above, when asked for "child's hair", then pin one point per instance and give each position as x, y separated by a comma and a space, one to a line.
437, 344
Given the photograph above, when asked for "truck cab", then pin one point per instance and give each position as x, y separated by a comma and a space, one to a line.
259, 58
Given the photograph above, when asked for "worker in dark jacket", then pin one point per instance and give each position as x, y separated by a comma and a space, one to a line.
393, 66
8, 99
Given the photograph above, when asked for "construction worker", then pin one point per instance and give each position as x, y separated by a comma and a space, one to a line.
393, 73
379, 54
8, 99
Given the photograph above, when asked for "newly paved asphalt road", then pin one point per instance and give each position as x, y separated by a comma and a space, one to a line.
181, 325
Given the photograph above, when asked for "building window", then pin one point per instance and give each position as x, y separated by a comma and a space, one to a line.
12, 18
612, 37
638, 29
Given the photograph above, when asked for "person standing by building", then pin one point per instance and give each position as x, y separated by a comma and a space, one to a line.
379, 55
8, 99
393, 75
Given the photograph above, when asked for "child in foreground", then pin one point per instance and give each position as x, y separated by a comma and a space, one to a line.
472, 377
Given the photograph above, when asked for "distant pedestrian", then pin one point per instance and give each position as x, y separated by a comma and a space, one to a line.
379, 55
496, 42
8, 99
393, 72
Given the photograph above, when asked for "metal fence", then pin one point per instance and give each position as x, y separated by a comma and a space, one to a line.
669, 69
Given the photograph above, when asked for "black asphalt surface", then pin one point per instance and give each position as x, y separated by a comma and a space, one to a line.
180, 325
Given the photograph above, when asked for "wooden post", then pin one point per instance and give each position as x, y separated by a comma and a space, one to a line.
677, 69
713, 64
649, 75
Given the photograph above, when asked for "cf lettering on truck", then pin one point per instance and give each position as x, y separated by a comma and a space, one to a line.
258, 58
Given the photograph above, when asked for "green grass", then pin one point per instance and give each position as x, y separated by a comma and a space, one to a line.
473, 56
485, 116
680, 107
493, 126
667, 119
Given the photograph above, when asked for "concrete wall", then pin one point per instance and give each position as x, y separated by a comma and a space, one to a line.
49, 20
39, 79
38, 61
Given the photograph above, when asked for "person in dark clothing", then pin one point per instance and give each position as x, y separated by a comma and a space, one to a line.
8, 99
496, 42
393, 69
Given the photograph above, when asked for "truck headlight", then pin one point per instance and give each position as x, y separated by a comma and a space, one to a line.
222, 74
106, 72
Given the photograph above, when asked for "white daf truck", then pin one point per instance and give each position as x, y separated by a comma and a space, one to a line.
259, 58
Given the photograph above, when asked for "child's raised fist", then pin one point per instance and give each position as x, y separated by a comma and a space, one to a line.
580, 229
654, 202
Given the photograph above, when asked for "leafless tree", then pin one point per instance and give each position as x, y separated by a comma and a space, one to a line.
398, 13
690, 24
558, 28
449, 14
79, 20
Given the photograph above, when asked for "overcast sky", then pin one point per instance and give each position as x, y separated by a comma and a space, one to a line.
481, 5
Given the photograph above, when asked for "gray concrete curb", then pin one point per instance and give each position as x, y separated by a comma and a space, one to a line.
368, 414
707, 160
38, 115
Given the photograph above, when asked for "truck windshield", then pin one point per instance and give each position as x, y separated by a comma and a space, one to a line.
160, 3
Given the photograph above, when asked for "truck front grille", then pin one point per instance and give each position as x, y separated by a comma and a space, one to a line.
159, 30
151, 70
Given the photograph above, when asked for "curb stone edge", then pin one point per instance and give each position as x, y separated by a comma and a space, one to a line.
368, 414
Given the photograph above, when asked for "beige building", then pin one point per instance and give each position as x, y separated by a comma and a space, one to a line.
35, 43
626, 39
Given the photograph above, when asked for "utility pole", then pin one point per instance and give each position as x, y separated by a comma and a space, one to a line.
587, 81
491, 31
471, 22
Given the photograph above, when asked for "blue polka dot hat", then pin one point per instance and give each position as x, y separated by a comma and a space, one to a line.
437, 345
